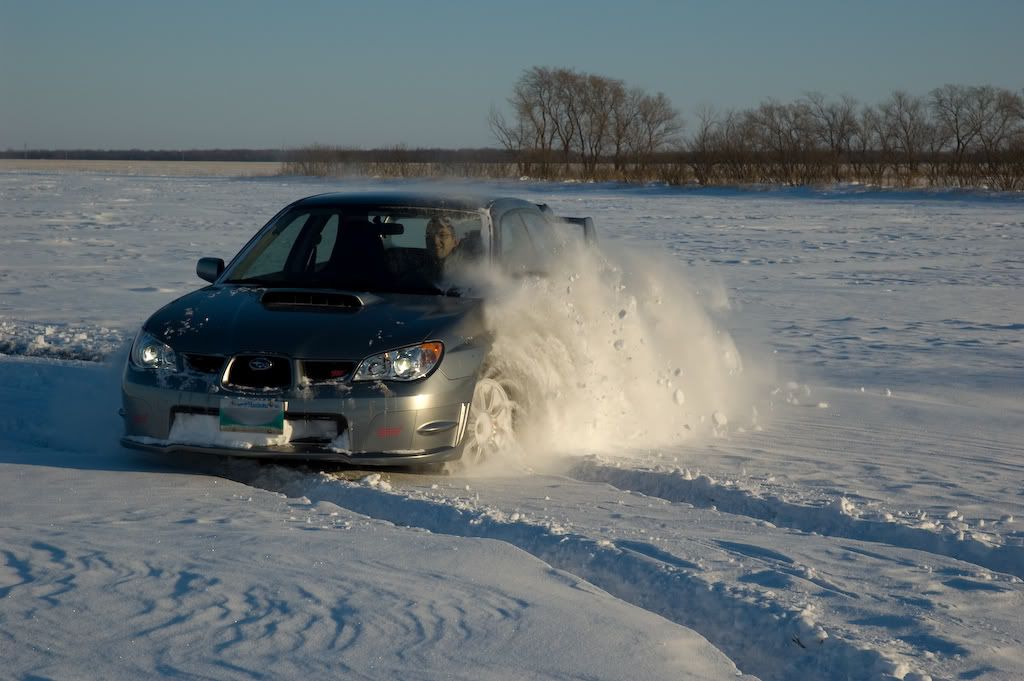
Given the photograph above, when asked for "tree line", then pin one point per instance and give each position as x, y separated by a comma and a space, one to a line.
956, 136
567, 124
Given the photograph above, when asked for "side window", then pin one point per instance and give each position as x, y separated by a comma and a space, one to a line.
517, 250
548, 242
328, 237
569, 234
272, 257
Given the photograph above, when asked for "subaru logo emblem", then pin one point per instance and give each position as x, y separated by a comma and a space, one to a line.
260, 364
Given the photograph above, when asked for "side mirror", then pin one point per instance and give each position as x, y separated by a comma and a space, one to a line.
209, 269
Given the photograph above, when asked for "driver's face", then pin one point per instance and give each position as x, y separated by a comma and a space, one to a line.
440, 241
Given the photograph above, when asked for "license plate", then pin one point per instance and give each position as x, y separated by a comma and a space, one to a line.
252, 415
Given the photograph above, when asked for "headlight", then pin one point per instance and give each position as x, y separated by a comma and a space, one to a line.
150, 353
403, 364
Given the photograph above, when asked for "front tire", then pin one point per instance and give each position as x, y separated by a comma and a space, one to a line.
491, 426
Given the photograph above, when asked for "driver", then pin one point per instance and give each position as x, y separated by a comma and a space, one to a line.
440, 243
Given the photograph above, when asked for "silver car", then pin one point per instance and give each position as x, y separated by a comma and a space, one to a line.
344, 330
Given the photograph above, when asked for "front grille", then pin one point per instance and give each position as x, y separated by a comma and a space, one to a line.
204, 364
327, 372
259, 372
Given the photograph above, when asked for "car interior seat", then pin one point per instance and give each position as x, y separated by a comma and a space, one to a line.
471, 246
358, 255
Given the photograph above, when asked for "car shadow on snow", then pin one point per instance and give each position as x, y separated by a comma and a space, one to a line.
64, 414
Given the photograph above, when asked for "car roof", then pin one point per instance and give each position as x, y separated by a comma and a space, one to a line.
412, 199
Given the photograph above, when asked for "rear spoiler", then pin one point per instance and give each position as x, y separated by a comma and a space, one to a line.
589, 235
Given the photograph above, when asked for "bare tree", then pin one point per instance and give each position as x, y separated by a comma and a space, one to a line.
998, 114
906, 119
834, 126
513, 138
534, 102
955, 126
598, 99
873, 146
783, 139
736, 143
658, 126
1015, 156
625, 119
565, 113
703, 145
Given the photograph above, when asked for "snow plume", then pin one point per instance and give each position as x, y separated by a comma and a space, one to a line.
615, 349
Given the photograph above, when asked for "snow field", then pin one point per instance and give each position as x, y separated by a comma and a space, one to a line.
845, 502
839, 517
753, 627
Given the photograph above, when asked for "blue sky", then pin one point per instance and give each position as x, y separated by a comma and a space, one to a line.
184, 74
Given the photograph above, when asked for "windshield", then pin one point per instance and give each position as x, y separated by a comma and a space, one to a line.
398, 250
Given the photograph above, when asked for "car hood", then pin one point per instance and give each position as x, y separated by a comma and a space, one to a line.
310, 324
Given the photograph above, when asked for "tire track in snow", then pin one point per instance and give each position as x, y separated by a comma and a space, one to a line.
762, 636
835, 520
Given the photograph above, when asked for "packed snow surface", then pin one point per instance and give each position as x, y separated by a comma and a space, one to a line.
775, 434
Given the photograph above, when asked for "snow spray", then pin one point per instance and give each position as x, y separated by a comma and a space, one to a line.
614, 349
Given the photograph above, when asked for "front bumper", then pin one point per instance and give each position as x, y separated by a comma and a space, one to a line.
302, 452
373, 424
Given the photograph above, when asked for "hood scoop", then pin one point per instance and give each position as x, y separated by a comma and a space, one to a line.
280, 299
